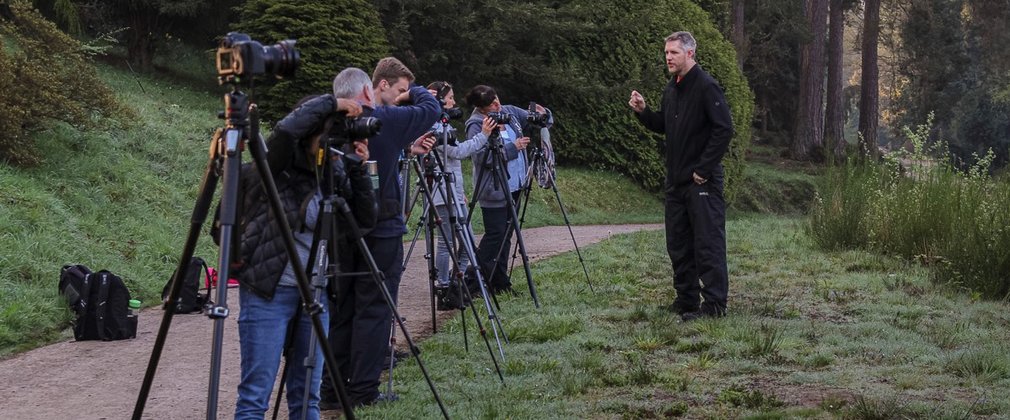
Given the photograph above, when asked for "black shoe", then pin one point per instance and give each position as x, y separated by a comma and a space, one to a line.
706, 311
681, 308
330, 405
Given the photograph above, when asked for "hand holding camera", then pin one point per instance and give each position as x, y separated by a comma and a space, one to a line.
488, 126
423, 144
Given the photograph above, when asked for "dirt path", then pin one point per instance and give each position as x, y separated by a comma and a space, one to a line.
100, 380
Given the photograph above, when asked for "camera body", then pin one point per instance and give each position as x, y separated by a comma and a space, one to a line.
536, 118
346, 130
239, 57
500, 117
453, 113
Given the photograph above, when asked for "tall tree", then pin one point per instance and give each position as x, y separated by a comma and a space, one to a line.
869, 98
808, 140
834, 116
148, 21
738, 31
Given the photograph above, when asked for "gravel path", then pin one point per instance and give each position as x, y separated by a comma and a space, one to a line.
100, 380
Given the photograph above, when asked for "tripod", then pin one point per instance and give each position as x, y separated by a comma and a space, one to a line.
540, 163
428, 220
495, 162
324, 249
242, 127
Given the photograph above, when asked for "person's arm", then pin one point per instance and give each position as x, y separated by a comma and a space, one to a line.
652, 120
414, 119
718, 115
295, 126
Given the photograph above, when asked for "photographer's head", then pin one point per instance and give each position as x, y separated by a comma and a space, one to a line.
391, 79
354, 83
484, 99
444, 93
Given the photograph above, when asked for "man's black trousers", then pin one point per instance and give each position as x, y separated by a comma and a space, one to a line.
361, 321
696, 242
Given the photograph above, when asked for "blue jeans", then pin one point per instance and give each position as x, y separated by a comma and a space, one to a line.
442, 259
262, 327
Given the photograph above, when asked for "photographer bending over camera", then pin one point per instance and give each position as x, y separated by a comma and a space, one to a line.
269, 298
492, 199
360, 326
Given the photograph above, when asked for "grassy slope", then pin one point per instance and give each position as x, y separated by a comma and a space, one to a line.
810, 334
121, 198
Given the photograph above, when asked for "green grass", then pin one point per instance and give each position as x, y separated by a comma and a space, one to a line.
121, 199
810, 334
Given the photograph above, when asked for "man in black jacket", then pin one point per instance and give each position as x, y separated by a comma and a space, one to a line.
696, 121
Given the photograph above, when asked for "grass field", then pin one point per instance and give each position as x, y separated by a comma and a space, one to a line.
809, 335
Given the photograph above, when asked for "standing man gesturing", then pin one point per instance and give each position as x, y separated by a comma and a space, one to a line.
696, 121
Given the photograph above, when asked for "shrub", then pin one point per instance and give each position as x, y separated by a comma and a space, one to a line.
331, 35
921, 207
44, 75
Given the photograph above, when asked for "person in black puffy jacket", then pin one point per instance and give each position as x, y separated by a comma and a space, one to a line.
269, 298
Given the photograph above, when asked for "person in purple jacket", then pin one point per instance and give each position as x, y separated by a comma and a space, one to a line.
360, 324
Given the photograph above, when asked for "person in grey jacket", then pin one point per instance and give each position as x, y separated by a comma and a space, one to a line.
492, 256
452, 152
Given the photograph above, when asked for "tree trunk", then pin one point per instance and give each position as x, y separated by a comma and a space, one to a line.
738, 33
869, 107
808, 140
834, 118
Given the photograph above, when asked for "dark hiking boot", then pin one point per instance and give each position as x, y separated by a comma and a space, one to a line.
706, 311
681, 308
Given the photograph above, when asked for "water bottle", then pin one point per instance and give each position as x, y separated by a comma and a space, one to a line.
372, 169
131, 316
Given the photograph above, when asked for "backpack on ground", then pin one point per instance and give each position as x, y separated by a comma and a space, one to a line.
190, 300
100, 302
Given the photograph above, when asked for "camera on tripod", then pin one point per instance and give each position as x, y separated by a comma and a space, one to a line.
346, 130
536, 118
238, 57
500, 117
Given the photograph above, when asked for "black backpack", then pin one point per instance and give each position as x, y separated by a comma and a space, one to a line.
100, 302
190, 300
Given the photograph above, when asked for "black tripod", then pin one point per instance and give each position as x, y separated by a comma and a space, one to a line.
428, 221
242, 128
496, 162
540, 164
324, 249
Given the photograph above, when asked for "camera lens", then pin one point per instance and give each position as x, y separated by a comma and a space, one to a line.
281, 59
363, 128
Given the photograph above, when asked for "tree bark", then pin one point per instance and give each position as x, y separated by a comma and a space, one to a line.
739, 34
869, 106
834, 119
808, 140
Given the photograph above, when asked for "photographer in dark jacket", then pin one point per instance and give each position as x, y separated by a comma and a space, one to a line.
269, 296
696, 121
360, 328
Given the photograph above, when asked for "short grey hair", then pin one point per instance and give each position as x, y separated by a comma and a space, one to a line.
349, 82
685, 38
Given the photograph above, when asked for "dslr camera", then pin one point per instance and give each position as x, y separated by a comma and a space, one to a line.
500, 117
536, 118
346, 130
239, 57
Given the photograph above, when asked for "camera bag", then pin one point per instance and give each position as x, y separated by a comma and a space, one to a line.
100, 302
190, 300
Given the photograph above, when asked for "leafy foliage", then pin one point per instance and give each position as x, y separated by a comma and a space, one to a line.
581, 59
331, 36
44, 75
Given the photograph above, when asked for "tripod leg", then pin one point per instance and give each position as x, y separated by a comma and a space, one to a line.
200, 211
572, 234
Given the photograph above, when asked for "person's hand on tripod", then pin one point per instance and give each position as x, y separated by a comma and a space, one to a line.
349, 106
423, 144
522, 142
361, 149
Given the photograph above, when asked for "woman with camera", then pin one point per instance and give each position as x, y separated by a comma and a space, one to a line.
452, 152
510, 122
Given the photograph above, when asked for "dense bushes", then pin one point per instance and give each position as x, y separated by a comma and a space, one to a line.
923, 209
331, 35
44, 75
